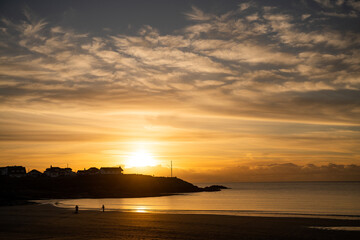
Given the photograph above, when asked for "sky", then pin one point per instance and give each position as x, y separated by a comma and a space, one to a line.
225, 90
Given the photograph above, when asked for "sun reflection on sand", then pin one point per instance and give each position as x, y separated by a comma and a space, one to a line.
140, 209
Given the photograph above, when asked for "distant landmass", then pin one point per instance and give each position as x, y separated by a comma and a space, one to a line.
14, 190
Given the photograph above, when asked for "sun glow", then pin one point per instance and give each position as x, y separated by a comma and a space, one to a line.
140, 158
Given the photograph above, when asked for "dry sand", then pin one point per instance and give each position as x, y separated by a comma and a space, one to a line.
48, 222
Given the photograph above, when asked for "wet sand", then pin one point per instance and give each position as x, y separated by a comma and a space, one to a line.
49, 222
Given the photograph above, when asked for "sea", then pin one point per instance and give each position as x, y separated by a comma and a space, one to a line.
295, 199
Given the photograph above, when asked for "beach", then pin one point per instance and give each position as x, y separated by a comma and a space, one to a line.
49, 222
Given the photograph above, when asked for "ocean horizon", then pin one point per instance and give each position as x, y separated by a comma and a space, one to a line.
296, 199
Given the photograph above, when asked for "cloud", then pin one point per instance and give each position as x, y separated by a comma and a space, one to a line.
244, 6
354, 4
197, 15
325, 3
253, 17
287, 33
243, 52
305, 16
340, 15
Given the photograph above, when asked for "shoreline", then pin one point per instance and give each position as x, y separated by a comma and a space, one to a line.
243, 213
45, 221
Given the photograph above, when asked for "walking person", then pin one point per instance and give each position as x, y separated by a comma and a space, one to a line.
76, 209
103, 208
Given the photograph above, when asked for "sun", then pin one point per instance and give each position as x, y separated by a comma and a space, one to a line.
140, 158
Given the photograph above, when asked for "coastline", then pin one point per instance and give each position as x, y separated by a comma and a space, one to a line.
46, 221
59, 203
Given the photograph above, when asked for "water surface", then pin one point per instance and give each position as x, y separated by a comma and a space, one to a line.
320, 199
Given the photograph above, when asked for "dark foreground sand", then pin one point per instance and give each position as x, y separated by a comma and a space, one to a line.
48, 222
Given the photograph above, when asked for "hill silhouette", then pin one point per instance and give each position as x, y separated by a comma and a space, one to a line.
92, 186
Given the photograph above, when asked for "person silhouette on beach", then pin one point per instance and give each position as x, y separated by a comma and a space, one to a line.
76, 209
103, 208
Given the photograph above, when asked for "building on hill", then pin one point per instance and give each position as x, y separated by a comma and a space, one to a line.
111, 170
81, 172
34, 173
58, 172
90, 171
93, 171
13, 171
